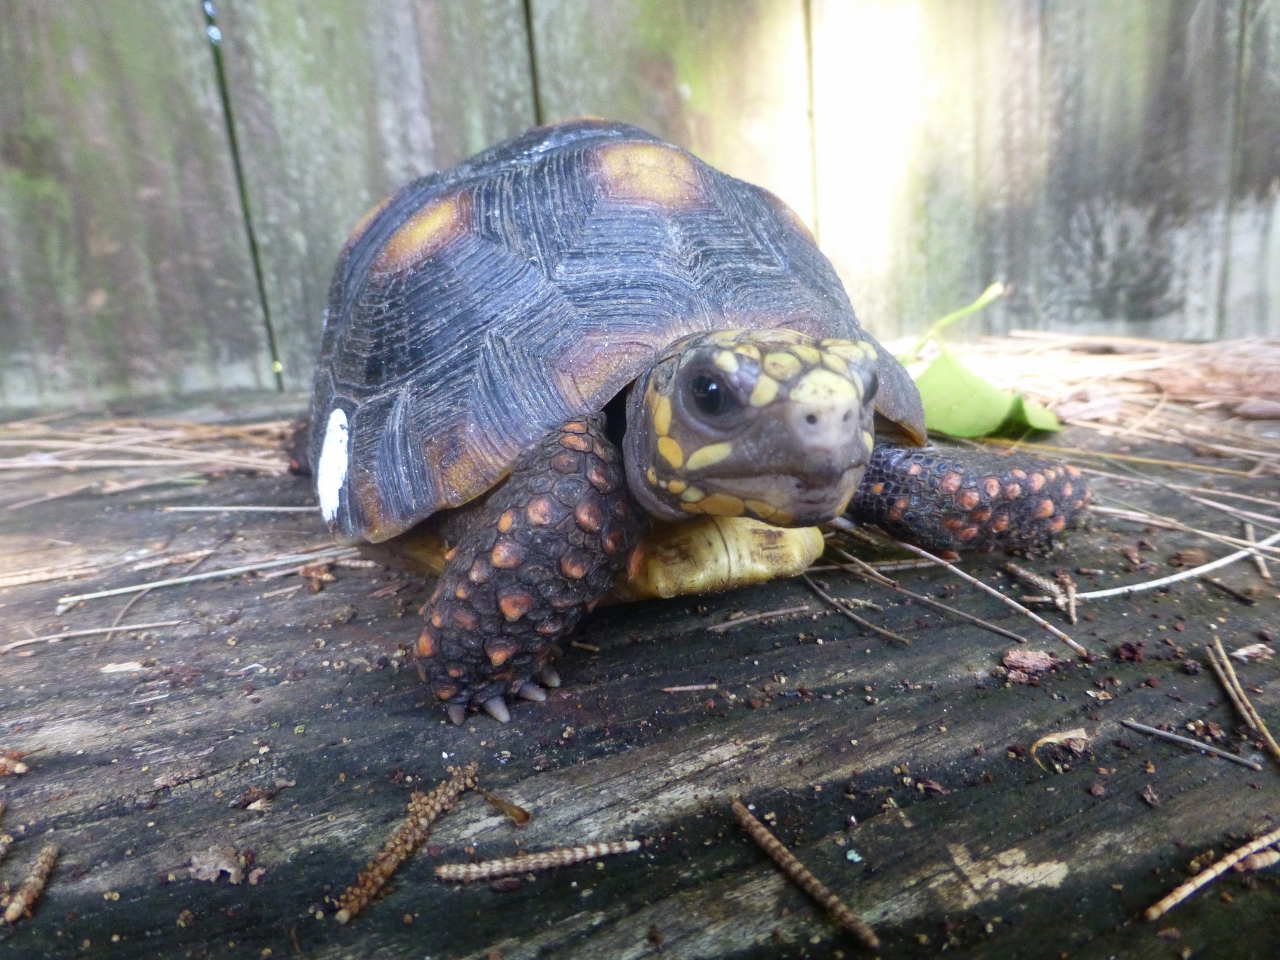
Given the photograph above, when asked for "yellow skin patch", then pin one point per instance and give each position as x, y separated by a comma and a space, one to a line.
807, 353
426, 232
650, 171
708, 455
677, 486
692, 495
766, 389
821, 387
849, 350
727, 361
747, 350
662, 416
722, 505
781, 366
670, 451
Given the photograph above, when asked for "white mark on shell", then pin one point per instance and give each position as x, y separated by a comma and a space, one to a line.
331, 472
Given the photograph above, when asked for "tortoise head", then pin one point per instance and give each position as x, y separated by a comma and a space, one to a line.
765, 423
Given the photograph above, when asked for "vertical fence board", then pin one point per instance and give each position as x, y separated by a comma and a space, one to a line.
123, 264
338, 102
1251, 305
726, 79
1080, 152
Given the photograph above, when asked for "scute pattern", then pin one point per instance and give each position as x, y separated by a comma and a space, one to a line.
550, 298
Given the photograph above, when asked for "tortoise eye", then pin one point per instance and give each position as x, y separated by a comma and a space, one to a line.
711, 397
873, 385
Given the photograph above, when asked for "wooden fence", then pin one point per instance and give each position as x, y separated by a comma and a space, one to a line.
176, 180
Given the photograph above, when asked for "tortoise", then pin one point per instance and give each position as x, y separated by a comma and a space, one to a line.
584, 365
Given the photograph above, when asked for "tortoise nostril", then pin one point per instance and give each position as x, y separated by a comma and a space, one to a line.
811, 418
847, 415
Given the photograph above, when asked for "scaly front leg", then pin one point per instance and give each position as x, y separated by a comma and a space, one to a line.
534, 558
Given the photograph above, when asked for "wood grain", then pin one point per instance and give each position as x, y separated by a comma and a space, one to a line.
124, 267
339, 102
725, 79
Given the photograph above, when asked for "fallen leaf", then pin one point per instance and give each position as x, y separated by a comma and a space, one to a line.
961, 404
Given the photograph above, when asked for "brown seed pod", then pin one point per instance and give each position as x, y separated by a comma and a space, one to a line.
488, 869
424, 808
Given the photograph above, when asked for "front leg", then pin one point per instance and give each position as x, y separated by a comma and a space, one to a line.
532, 560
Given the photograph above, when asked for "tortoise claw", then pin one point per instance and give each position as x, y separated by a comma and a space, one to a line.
457, 713
549, 677
497, 708
531, 691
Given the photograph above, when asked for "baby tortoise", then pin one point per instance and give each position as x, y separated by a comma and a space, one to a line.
584, 361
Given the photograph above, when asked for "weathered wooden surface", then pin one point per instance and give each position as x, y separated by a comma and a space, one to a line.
725, 79
338, 103
124, 266
1011, 861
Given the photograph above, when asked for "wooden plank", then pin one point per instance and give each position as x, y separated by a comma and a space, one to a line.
339, 102
124, 268
1251, 305
1081, 152
726, 79
137, 768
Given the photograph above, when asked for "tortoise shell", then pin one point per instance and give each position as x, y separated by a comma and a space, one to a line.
478, 308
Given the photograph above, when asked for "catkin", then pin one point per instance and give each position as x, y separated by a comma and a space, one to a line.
488, 869
1212, 873
24, 898
802, 878
424, 808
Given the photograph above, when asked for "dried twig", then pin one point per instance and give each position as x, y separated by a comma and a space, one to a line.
1175, 577
802, 878
67, 635
1053, 591
66, 603
1235, 689
424, 808
1169, 523
768, 614
873, 575
6, 841
1229, 590
1205, 877
865, 624
1258, 559
843, 524
691, 688
23, 901
1188, 742
530, 862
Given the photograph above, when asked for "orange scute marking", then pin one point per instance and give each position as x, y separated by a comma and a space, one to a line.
1044, 509
423, 235
654, 172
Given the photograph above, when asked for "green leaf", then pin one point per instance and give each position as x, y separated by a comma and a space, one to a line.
1026, 415
962, 404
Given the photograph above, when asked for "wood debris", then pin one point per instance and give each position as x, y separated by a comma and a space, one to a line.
1226, 674
424, 809
533, 862
23, 901
802, 878
1205, 877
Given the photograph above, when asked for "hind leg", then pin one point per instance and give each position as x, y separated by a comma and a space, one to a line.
529, 563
